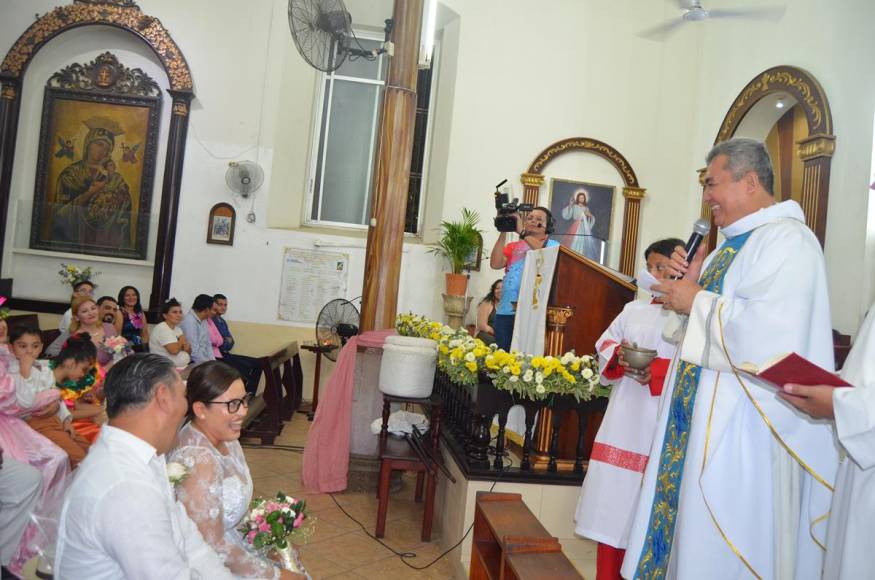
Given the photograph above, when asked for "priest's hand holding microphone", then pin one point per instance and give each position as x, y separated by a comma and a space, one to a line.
680, 290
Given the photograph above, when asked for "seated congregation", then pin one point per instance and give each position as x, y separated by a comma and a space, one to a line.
61, 414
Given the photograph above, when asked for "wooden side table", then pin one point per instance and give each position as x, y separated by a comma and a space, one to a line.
319, 350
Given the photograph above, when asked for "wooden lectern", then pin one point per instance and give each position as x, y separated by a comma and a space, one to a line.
584, 299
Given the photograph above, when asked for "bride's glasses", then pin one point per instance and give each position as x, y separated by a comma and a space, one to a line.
234, 404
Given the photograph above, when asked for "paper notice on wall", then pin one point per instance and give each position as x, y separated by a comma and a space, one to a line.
310, 279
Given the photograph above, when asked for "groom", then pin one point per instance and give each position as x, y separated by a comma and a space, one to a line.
120, 518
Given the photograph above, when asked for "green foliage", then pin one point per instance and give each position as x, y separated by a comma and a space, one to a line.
459, 239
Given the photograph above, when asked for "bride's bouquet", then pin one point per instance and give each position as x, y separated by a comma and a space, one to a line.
272, 523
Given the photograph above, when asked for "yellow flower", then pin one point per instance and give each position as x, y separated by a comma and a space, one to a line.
515, 370
575, 366
443, 348
471, 366
548, 371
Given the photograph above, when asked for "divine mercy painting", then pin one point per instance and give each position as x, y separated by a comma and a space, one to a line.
96, 165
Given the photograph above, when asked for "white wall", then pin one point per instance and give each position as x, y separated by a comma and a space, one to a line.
515, 76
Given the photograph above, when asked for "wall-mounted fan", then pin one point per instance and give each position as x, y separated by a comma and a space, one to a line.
244, 178
338, 321
693, 11
322, 31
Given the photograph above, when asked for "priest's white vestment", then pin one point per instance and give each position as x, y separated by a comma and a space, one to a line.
613, 479
756, 481
852, 519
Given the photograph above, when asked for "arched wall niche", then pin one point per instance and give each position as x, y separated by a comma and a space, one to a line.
814, 150
533, 179
127, 16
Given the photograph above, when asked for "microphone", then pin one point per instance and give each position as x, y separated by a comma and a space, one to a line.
700, 230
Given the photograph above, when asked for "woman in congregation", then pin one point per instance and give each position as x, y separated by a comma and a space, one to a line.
486, 312
133, 325
86, 319
167, 338
218, 488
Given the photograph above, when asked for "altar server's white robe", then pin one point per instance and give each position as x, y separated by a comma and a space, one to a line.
851, 531
758, 475
613, 480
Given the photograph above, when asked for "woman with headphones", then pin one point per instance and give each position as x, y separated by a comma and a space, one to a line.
534, 235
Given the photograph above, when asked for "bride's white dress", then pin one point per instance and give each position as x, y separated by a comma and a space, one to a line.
216, 494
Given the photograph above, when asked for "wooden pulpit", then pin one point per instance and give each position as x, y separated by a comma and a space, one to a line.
585, 297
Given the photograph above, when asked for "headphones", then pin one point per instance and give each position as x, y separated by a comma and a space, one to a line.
551, 223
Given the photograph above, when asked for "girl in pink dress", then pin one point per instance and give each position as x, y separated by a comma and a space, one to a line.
21, 442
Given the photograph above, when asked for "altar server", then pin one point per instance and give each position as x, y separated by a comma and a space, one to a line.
619, 454
852, 518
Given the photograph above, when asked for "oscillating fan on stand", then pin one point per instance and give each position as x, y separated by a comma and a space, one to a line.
338, 321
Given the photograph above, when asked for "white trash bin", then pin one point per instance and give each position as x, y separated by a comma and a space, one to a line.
408, 366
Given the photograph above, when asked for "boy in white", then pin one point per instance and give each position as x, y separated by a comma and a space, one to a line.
619, 454
120, 518
35, 388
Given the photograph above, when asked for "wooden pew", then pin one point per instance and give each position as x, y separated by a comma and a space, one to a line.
511, 544
281, 397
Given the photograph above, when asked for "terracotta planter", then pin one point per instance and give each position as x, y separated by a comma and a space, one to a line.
457, 284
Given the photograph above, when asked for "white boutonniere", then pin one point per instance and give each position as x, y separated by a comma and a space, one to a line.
176, 473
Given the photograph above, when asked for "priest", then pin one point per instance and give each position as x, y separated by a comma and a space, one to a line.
849, 537
739, 483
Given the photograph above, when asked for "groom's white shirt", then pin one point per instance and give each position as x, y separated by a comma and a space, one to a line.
120, 519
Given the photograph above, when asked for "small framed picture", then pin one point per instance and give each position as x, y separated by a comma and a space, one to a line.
220, 229
472, 262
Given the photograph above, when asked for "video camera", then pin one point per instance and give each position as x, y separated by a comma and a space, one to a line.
505, 220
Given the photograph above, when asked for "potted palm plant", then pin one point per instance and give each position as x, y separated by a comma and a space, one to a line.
459, 241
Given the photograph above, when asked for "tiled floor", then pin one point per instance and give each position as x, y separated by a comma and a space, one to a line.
340, 548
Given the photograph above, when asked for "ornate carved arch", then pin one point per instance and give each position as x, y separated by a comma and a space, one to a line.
127, 16
124, 14
815, 151
533, 179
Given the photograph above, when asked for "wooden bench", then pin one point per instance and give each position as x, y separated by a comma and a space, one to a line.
511, 544
281, 397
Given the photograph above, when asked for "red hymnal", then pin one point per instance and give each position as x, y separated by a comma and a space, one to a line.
792, 368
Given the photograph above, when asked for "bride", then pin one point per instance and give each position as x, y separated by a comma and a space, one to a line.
218, 488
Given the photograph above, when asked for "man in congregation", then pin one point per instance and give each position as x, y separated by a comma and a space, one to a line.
739, 483
248, 366
196, 329
109, 312
119, 518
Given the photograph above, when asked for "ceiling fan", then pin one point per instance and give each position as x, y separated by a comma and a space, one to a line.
693, 11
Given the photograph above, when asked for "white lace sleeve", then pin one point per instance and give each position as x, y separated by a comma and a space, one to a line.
202, 495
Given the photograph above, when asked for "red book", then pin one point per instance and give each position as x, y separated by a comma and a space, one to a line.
792, 368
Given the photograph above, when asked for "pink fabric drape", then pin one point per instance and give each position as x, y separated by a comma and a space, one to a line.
326, 455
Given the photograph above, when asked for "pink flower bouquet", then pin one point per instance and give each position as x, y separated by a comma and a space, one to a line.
271, 523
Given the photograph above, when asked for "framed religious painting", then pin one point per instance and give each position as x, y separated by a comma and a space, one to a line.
583, 212
96, 161
220, 227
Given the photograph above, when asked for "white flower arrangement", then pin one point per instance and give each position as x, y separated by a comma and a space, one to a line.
176, 473
533, 377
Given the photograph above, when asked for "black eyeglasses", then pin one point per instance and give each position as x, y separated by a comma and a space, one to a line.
234, 404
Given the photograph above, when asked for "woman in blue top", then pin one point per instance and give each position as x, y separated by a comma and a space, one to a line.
512, 257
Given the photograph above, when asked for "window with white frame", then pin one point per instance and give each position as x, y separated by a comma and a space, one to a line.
345, 143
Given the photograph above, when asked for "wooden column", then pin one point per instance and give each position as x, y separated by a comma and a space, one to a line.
10, 100
392, 172
176, 137
629, 250
532, 183
816, 153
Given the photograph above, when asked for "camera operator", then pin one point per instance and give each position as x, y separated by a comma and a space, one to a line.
534, 235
